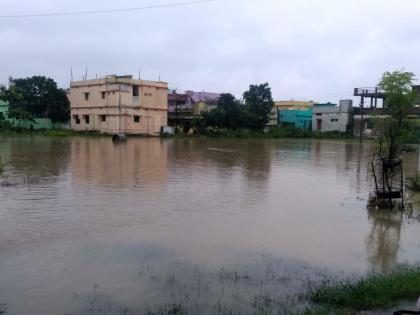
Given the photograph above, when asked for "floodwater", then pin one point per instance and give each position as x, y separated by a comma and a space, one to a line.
194, 225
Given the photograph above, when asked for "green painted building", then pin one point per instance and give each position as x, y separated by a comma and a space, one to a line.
301, 119
4, 107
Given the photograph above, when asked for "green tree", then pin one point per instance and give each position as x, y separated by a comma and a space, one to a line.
229, 114
400, 99
215, 118
39, 96
259, 101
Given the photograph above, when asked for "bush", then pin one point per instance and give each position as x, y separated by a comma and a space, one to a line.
414, 183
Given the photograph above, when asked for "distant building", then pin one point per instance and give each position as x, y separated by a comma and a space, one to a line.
293, 105
301, 119
416, 89
330, 117
184, 107
367, 126
273, 120
203, 101
119, 104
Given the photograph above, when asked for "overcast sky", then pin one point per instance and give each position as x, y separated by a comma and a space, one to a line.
305, 49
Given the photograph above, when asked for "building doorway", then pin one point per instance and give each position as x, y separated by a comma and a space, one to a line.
319, 124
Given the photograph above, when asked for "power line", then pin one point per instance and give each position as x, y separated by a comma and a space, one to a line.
169, 5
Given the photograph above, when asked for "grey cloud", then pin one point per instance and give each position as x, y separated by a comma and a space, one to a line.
314, 49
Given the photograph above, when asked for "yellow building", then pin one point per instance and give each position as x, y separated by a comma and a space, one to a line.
119, 104
293, 105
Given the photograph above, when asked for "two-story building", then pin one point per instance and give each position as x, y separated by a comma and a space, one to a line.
119, 104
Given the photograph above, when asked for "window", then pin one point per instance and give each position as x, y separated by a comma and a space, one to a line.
136, 119
103, 95
103, 118
136, 90
318, 114
147, 94
86, 96
87, 119
76, 119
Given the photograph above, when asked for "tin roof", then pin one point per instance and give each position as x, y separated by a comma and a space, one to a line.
204, 96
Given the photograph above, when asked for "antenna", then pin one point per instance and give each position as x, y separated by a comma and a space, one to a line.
139, 74
71, 74
85, 76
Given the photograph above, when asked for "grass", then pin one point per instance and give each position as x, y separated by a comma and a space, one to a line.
325, 310
52, 132
377, 291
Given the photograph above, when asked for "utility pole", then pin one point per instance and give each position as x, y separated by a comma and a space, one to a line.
362, 103
176, 114
119, 108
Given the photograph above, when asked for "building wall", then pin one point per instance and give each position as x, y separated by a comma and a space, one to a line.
293, 105
199, 108
330, 117
368, 126
119, 104
301, 119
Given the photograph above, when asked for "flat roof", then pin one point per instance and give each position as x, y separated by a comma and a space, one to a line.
128, 80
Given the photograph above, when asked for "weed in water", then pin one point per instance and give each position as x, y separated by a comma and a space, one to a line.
414, 183
377, 291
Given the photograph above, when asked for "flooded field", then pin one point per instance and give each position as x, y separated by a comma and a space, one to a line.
189, 226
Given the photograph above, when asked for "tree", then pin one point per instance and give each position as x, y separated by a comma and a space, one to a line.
259, 101
229, 114
387, 164
39, 96
400, 99
215, 118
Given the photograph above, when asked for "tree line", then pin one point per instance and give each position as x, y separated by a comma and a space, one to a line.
252, 113
35, 97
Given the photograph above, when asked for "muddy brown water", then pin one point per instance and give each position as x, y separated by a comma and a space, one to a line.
210, 226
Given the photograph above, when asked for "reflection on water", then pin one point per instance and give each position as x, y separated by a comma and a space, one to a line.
104, 163
142, 220
383, 242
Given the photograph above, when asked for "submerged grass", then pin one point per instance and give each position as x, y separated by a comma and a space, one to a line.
377, 291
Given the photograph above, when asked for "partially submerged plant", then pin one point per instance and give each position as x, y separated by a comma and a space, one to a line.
1, 172
386, 163
414, 183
